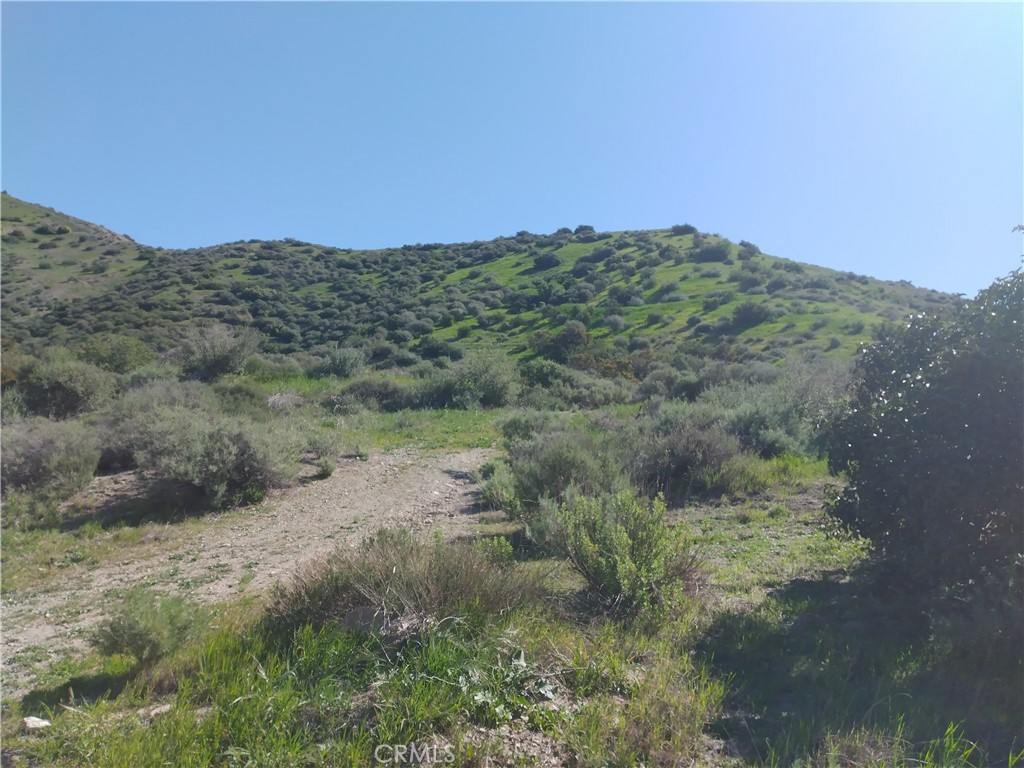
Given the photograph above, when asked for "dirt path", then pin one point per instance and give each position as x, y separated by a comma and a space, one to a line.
244, 551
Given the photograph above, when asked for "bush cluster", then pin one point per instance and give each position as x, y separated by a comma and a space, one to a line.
229, 459
60, 386
487, 381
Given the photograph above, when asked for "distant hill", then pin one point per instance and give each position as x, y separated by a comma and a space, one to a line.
65, 279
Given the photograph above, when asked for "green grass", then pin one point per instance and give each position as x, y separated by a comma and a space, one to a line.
788, 657
426, 430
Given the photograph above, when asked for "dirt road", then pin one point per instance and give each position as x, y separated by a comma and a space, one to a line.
220, 557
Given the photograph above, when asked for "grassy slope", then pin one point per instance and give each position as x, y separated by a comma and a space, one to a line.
302, 295
40, 267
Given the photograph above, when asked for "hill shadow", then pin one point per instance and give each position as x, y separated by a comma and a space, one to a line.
826, 656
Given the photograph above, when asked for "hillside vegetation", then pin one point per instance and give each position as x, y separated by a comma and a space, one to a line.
731, 512
66, 280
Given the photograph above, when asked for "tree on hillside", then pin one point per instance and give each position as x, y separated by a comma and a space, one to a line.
933, 446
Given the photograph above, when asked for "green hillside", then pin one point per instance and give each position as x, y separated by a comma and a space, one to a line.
65, 280
595, 499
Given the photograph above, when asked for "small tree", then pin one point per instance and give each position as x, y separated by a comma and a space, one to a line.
933, 447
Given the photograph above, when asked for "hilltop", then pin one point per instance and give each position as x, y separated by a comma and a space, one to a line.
66, 280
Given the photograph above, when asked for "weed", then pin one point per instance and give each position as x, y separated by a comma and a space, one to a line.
146, 626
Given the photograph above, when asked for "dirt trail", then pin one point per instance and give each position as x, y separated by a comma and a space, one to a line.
247, 550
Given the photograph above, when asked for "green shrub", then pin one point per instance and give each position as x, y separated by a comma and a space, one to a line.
60, 386
488, 380
553, 386
57, 457
677, 453
117, 353
274, 367
343, 362
934, 450
379, 393
545, 260
626, 551
712, 252
497, 489
12, 405
552, 460
497, 550
147, 626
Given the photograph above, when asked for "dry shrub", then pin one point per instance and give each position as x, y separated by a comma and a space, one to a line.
402, 578
58, 457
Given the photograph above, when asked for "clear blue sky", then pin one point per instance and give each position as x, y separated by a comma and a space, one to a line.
879, 138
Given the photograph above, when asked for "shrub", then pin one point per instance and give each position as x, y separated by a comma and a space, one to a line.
497, 489
230, 460
343, 362
684, 229
678, 453
551, 461
749, 313
206, 353
401, 578
934, 450
625, 550
12, 406
59, 386
546, 260
272, 367
615, 323
479, 380
147, 626
712, 252
379, 393
57, 457
117, 353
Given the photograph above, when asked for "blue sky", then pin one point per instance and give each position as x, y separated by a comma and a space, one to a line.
880, 138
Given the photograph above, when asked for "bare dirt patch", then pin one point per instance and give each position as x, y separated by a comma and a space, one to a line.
218, 557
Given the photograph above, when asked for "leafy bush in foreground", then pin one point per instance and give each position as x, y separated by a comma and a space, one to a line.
625, 549
550, 461
934, 449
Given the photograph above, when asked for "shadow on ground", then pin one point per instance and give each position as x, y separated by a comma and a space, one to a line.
41, 702
131, 498
832, 655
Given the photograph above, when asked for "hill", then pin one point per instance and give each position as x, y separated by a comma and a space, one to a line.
66, 280
575, 514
